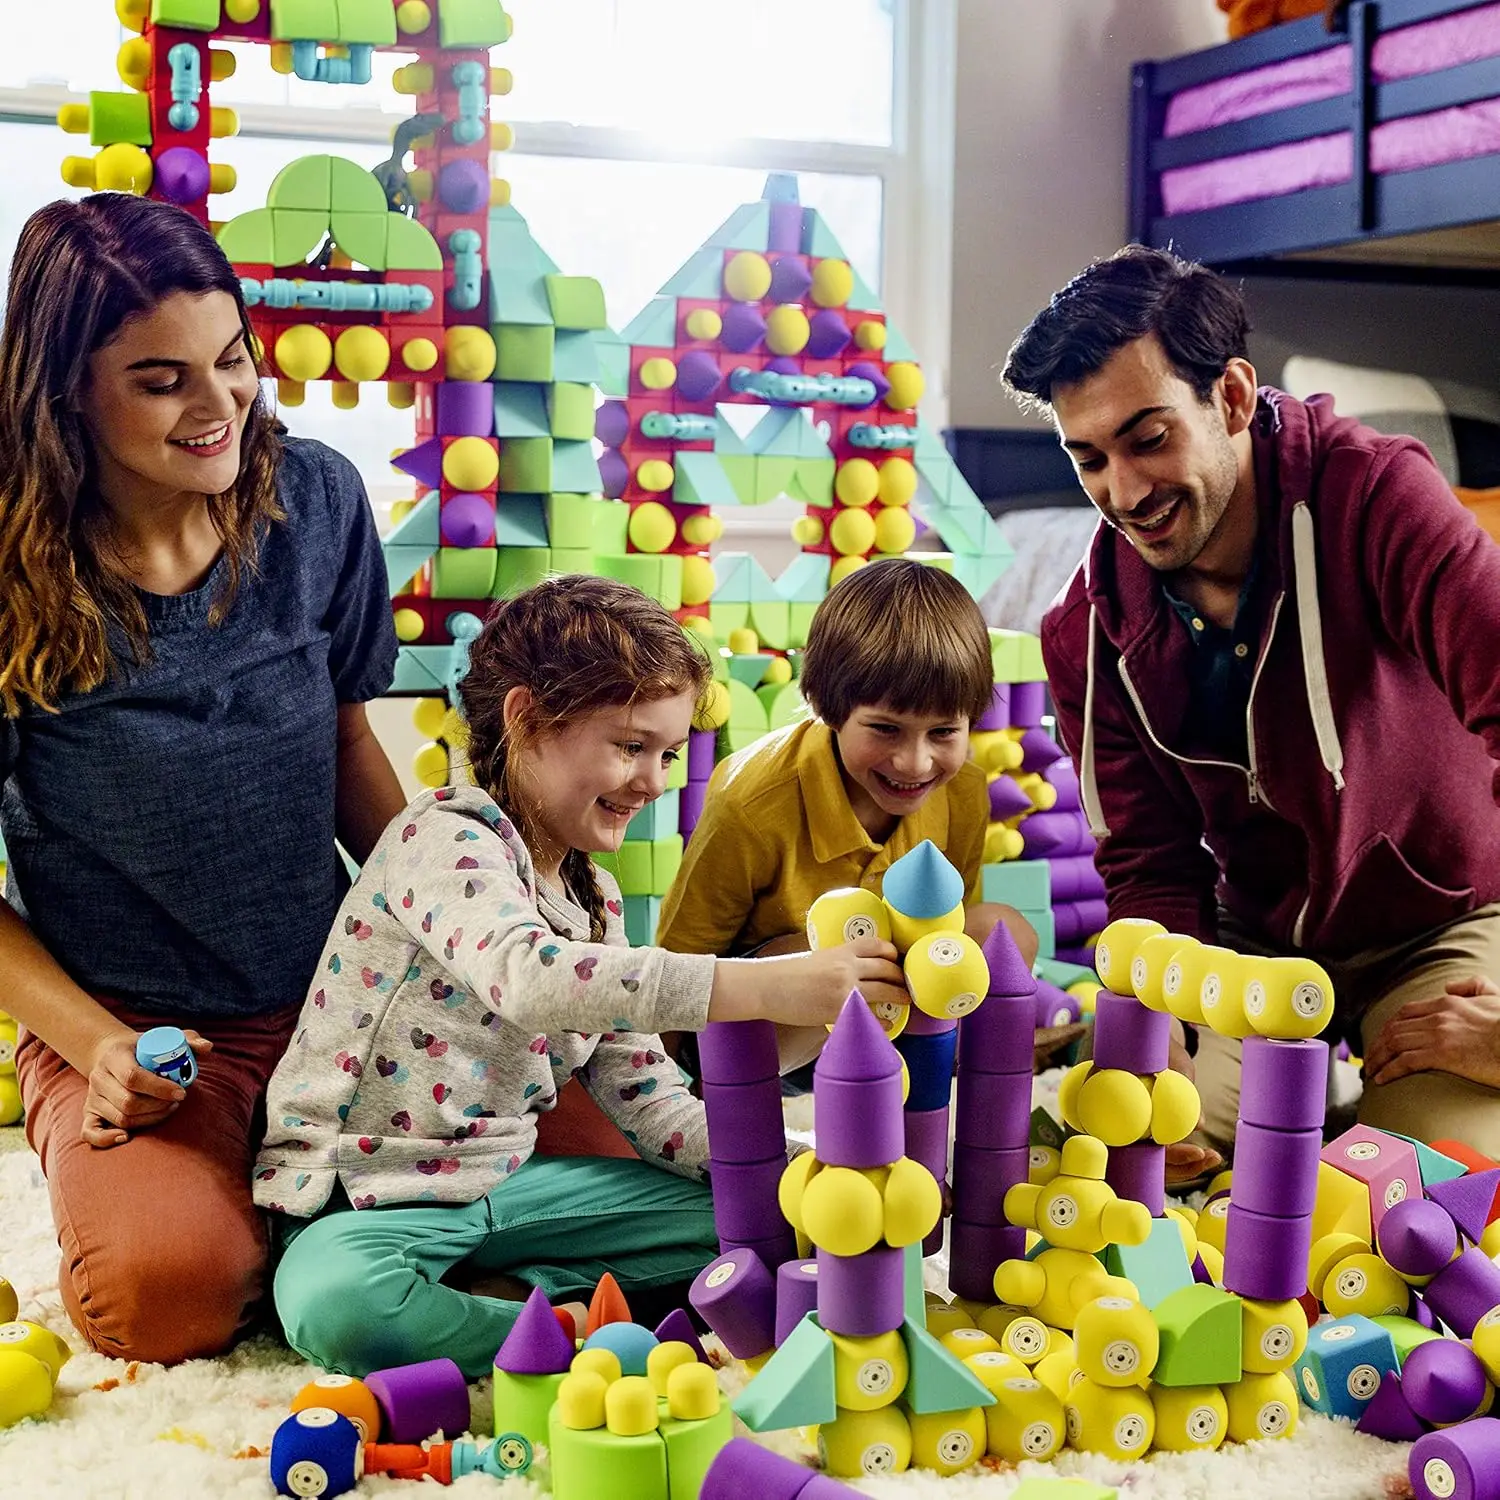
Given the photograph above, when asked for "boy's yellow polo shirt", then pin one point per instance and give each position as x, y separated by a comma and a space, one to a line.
777, 831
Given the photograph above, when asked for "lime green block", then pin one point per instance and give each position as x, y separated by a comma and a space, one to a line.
297, 232
812, 483
1158, 1267
371, 21
472, 23
1063, 1489
362, 236
570, 519
353, 189
526, 466
632, 866
942, 561
799, 622
771, 621
739, 469
588, 1464
666, 861
570, 410
1030, 664
654, 574
249, 239
1406, 1333
774, 476
1005, 654
574, 560
304, 20
117, 118
734, 737
795, 1388
463, 572
576, 302
191, 15
523, 1402
746, 711
692, 1447
1200, 1337
677, 774
409, 246
727, 615
783, 704
517, 568
524, 352
305, 183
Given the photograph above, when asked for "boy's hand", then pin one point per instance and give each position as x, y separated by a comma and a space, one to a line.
123, 1096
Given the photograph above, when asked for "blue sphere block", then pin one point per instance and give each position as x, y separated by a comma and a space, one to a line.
929, 1066
923, 884
628, 1342
164, 1051
316, 1451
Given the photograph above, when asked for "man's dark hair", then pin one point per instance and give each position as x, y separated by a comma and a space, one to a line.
1198, 317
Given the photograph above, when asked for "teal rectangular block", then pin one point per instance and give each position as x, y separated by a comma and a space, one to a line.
520, 410
642, 913
575, 357
1019, 883
656, 820
1046, 932
575, 470
520, 521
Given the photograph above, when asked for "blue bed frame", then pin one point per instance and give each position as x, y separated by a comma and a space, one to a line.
1367, 207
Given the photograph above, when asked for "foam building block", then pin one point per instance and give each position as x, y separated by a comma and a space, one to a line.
1340, 1370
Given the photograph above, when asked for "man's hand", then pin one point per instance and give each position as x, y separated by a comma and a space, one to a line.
1456, 1032
123, 1096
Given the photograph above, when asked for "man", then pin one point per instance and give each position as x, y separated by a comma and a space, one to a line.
1278, 671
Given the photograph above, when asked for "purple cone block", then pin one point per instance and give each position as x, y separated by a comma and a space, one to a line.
677, 1328
463, 186
1443, 1381
698, 376
1028, 702
736, 1297
1061, 776
1046, 834
181, 175
1421, 1314
1265, 1258
790, 279
1007, 799
1388, 1415
857, 1050
1462, 1463
1009, 974
614, 474
981, 1179
997, 715
785, 232
796, 1295
1464, 1291
1417, 1237
1284, 1085
536, 1343
1039, 750
466, 408
828, 334
419, 1401
468, 520
612, 424
1128, 1035
1275, 1171
994, 1109
974, 1253
1139, 1172
743, 328
864, 369
859, 1295
742, 1128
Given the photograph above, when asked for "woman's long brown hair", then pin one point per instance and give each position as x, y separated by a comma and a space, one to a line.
576, 644
80, 271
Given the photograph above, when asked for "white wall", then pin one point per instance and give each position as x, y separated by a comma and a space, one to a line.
1043, 131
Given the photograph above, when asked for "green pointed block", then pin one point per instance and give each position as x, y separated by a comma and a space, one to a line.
524, 351
939, 1381
747, 228
472, 23
362, 236
403, 563
577, 302
654, 326
523, 1402
812, 483
746, 711
1200, 1337
818, 239
1406, 1333
691, 1449
795, 1388
896, 345
526, 467
1158, 1267
771, 621
119, 118
739, 469
701, 480
368, 21
249, 239
409, 246
702, 276
575, 358
804, 579
518, 568
570, 411
575, 470
783, 703
419, 526
1434, 1166
196, 15
520, 410
1029, 659
354, 189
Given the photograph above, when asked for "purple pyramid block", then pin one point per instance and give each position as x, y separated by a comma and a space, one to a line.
1388, 1415
1007, 799
424, 462
923, 883
1468, 1200
536, 1343
677, 1328
857, 1051
1008, 972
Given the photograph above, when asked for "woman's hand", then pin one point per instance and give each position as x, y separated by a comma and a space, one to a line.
1456, 1032
123, 1096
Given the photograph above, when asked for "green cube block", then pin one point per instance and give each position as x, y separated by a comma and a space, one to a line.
666, 860
771, 619
291, 20
518, 568
570, 411
656, 820
119, 118
677, 774
570, 519
463, 572
190, 15
631, 865
472, 23
650, 572
577, 302
727, 614
1406, 1333
526, 466
524, 352
799, 622
368, 21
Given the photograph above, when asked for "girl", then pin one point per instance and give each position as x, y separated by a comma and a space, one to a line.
195, 612
477, 964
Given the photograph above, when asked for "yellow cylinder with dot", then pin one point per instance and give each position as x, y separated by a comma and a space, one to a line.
946, 973
845, 915
469, 353
698, 580
1148, 965
832, 283
703, 323
652, 527
420, 355
1363, 1283
942, 1316
947, 1442
787, 330
1114, 1106
657, 373
897, 481
966, 1341
1026, 1421
852, 533
1115, 951
857, 482
290, 392
1115, 1341
992, 1367
1289, 998
1027, 1338
1118, 1422
1261, 1406
1184, 974
1272, 1335
1221, 997
859, 1444
869, 335
747, 277
361, 353
869, 1373
304, 352
471, 463
843, 1212
1189, 1418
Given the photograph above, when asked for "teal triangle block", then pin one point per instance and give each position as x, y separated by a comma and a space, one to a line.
896, 345
402, 563
654, 326
795, 1388
419, 526
818, 239
747, 228
731, 571
521, 298
613, 354
762, 585
421, 669
1158, 1267
862, 299
804, 580
520, 410
979, 573
701, 480
939, 1381
575, 357
575, 470
511, 246
1435, 1167
748, 669
701, 275
726, 438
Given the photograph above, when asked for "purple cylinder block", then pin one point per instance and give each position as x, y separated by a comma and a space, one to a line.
745, 1469
181, 175
466, 408
1007, 799
858, 1124
1128, 1035
927, 1143
1275, 1171
419, 1401
828, 334
743, 1127
1283, 1085
1028, 702
859, 1295
740, 1052
1265, 1258
929, 1055
796, 1295
736, 1297
1061, 776
785, 233
745, 1203
698, 375
1388, 1416
864, 369
1462, 1463
612, 424
1075, 878
981, 1178
743, 328
974, 1253
1443, 1381
919, 1023
700, 755
690, 808
463, 186
1047, 834
1055, 1007
790, 279
468, 520
1416, 1237
998, 1037
1139, 1172
1074, 921
614, 474
994, 1110
997, 715
1464, 1291
1083, 957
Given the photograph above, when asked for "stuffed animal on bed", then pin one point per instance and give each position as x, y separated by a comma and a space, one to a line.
1246, 16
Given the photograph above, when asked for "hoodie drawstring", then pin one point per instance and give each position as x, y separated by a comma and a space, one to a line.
1310, 629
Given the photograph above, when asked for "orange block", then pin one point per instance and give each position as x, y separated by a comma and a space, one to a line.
608, 1305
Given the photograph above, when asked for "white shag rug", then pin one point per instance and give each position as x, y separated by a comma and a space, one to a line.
141, 1432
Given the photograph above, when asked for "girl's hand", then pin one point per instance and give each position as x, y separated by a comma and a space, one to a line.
1456, 1032
123, 1096
815, 985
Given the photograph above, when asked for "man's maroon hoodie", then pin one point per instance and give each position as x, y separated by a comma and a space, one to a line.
1367, 814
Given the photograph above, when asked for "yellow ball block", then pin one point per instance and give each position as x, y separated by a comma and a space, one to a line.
9, 1303
630, 1408
947, 1442
898, 481
304, 352
420, 355
1148, 966
471, 463
852, 533
895, 530
843, 1212
1059, 1372
1186, 973
25, 1387
1026, 1421
1115, 951
846, 915
869, 1373
123, 169
703, 323
468, 353
777, 673
1119, 1423
713, 707
913, 1202
843, 567
413, 16
652, 528
362, 354
657, 476
1363, 1283
807, 531
861, 1443
869, 336
793, 1184
698, 581
946, 974
969, 1342
992, 1368
1287, 997
942, 1317
1069, 1089
1114, 1106
699, 625
832, 283
907, 385
580, 1400
1272, 1335
787, 330
743, 642
702, 530
857, 482
133, 64
1190, 1418
747, 277
1486, 1341
692, 1388
1261, 1406
430, 766
658, 373
1116, 1341
342, 1393
1175, 1107
1222, 998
